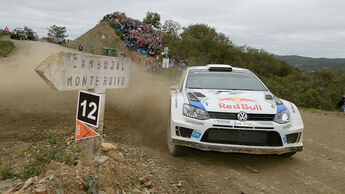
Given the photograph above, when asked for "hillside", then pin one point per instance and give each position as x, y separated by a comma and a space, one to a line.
92, 40
309, 64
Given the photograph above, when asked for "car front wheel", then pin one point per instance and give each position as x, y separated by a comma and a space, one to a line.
174, 150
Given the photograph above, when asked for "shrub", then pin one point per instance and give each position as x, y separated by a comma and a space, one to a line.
53, 149
6, 47
6, 172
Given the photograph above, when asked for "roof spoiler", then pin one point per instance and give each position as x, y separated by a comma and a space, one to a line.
219, 67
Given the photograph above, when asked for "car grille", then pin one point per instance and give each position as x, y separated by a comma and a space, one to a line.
233, 116
242, 137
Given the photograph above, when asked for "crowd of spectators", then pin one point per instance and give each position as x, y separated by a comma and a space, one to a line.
143, 37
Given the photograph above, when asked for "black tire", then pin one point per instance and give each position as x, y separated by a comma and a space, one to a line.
289, 154
175, 150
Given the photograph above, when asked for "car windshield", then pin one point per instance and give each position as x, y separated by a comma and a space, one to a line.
224, 81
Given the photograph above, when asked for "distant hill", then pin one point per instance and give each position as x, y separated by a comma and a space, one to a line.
93, 42
309, 64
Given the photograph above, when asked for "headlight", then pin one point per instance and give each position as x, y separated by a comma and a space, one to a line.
282, 117
194, 112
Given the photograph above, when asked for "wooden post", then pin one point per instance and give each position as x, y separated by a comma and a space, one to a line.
91, 147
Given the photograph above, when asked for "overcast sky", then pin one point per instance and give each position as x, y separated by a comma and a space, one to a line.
313, 28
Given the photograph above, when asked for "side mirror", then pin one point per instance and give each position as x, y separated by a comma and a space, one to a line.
174, 87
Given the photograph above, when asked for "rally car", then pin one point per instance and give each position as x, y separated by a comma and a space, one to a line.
227, 109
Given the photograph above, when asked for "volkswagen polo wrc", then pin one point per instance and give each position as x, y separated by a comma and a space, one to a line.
227, 109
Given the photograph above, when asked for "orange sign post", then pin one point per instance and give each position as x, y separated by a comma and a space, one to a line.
82, 131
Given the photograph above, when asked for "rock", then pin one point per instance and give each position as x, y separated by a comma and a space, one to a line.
4, 185
41, 189
179, 184
10, 191
144, 179
27, 183
107, 147
109, 190
252, 169
148, 184
117, 156
59, 191
170, 191
28, 155
50, 177
101, 159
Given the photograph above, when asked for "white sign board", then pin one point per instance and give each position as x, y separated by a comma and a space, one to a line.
74, 71
165, 63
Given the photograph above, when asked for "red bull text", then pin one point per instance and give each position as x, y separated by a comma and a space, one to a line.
240, 106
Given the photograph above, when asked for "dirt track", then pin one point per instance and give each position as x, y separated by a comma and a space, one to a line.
136, 117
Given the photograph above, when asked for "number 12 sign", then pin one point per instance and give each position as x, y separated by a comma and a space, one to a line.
88, 108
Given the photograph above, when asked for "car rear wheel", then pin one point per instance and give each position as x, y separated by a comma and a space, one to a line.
174, 150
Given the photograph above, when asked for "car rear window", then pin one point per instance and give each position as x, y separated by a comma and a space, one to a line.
224, 81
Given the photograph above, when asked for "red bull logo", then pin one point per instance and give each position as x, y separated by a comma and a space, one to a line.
237, 99
240, 106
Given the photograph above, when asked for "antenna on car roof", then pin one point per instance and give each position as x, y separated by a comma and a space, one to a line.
219, 67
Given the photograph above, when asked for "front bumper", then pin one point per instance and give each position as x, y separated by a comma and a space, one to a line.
237, 149
201, 127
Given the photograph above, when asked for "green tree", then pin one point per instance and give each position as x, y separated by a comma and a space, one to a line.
152, 18
57, 32
202, 44
171, 27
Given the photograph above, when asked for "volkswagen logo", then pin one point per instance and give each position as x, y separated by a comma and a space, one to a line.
242, 116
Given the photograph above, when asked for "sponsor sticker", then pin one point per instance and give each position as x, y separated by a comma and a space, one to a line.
194, 122
223, 121
196, 134
240, 107
267, 123
292, 108
243, 124
288, 126
237, 99
285, 139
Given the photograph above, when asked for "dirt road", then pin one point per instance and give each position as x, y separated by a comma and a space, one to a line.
136, 118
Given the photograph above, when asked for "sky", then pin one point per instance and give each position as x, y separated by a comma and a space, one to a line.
314, 28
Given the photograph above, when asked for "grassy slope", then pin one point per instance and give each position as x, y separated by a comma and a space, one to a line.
6, 47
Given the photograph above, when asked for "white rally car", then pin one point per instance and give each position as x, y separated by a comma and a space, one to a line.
226, 109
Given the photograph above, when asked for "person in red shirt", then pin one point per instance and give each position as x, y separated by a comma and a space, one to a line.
6, 29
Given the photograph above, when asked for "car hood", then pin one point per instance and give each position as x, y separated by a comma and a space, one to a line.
233, 101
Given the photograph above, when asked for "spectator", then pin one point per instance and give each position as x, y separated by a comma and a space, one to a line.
148, 65
142, 37
172, 63
181, 66
341, 104
80, 47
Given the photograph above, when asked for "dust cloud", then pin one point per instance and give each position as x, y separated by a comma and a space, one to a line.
140, 111
143, 107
